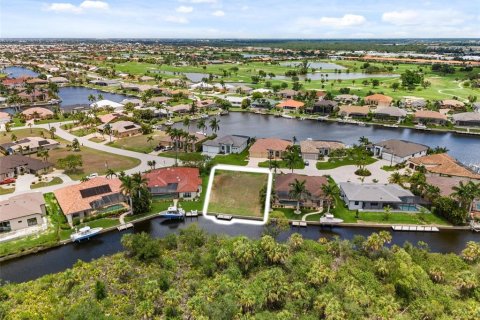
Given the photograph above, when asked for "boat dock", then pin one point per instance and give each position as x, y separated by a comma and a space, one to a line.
299, 224
415, 228
475, 226
193, 213
125, 226
224, 217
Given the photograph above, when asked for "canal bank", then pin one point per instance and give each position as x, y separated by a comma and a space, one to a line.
64, 256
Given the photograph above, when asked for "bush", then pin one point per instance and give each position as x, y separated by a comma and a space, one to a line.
363, 172
141, 246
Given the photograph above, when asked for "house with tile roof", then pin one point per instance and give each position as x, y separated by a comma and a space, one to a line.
269, 148
28, 145
378, 100
121, 129
315, 149
15, 164
390, 113
443, 165
37, 113
313, 184
428, 116
290, 105
467, 119
97, 195
354, 112
174, 182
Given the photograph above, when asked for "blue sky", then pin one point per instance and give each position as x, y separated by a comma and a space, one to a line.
240, 18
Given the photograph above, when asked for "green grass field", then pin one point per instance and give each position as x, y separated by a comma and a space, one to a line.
53, 182
340, 162
237, 193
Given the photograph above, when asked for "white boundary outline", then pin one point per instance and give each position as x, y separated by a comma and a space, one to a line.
241, 169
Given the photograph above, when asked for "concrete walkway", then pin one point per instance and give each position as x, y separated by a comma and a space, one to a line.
304, 218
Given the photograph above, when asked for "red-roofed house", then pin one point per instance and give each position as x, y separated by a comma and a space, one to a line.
290, 105
378, 100
270, 147
175, 182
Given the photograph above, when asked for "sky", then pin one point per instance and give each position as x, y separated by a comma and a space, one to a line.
316, 19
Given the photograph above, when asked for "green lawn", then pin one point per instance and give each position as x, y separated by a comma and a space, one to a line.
183, 156
138, 143
234, 159
333, 163
53, 182
283, 165
6, 190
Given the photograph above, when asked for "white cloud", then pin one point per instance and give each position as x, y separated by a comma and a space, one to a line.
199, 1
71, 8
218, 13
184, 9
176, 19
89, 4
426, 17
348, 20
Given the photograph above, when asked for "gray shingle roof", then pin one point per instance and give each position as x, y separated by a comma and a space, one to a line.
374, 192
234, 140
401, 148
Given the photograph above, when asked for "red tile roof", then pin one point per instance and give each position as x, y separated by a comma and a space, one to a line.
188, 179
291, 104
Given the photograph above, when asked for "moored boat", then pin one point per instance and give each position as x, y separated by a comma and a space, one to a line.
173, 213
85, 233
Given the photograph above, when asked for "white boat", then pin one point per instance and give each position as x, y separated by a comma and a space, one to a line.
420, 126
169, 123
85, 233
362, 124
287, 116
204, 116
328, 218
173, 213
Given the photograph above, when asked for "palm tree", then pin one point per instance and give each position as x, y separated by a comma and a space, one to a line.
52, 132
396, 178
201, 124
13, 137
364, 141
30, 126
127, 188
466, 193
149, 139
330, 190
214, 124
107, 129
186, 123
92, 98
152, 164
291, 158
110, 173
298, 191
43, 153
192, 139
274, 165
100, 97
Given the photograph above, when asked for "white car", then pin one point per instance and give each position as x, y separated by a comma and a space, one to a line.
92, 175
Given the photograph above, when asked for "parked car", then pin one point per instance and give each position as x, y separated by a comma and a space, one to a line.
92, 175
159, 148
306, 163
8, 181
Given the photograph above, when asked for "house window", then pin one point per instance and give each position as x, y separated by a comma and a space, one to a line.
374, 204
187, 195
32, 222
356, 203
19, 221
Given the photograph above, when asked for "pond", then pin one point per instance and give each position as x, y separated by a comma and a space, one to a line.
192, 76
314, 64
72, 96
339, 76
16, 72
60, 258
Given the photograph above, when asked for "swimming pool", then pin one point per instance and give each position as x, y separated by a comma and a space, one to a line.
114, 207
408, 208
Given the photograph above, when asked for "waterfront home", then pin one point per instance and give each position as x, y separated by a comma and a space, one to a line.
323, 107
378, 100
414, 102
105, 83
263, 104
320, 94
109, 117
35, 95
225, 145
36, 81
28, 145
5, 117
159, 100
375, 197
122, 129
15, 164
313, 199
287, 93
467, 119
88, 198
315, 149
446, 183
390, 113
22, 211
179, 108
290, 105
242, 89
107, 103
347, 98
174, 182
355, 112
443, 165
398, 151
133, 101
37, 113
428, 116
58, 80
235, 101
269, 148
15, 83
207, 104
452, 104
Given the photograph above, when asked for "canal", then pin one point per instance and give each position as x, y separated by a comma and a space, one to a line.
60, 258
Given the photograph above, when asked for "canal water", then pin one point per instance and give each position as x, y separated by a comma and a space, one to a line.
463, 147
16, 72
58, 259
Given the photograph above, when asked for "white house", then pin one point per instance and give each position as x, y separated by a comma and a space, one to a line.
398, 151
107, 103
225, 145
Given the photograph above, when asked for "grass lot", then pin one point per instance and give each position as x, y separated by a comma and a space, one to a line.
138, 143
53, 182
23, 133
283, 165
237, 193
183, 156
290, 214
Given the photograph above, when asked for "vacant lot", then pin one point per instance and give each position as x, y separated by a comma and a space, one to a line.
237, 193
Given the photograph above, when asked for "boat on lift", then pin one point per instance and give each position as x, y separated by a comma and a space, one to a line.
173, 213
85, 233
